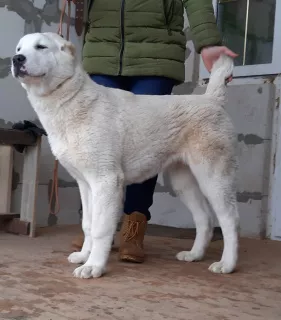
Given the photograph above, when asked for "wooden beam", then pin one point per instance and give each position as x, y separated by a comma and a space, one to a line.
6, 170
17, 226
5, 220
29, 187
10, 137
8, 216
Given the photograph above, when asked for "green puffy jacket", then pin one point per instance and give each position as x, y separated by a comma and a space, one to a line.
145, 37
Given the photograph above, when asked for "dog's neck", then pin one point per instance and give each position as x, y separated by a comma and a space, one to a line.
50, 106
43, 89
57, 109
53, 108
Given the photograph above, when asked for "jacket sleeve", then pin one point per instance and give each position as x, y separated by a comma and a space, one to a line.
202, 23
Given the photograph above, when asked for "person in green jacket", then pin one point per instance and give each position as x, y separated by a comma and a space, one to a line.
139, 46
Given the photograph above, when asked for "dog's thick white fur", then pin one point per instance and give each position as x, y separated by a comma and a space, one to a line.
108, 138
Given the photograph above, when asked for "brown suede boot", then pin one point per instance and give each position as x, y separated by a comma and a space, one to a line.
77, 243
131, 237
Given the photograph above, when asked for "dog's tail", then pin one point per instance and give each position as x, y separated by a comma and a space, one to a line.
222, 69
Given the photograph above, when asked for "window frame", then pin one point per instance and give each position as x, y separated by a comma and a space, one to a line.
261, 69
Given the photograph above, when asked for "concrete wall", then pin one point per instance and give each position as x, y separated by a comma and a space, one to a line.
249, 105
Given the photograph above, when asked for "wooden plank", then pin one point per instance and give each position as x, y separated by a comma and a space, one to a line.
17, 226
8, 216
12, 136
29, 187
6, 170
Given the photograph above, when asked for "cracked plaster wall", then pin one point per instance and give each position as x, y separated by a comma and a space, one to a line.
250, 107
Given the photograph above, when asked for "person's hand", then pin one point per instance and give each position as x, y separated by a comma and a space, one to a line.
211, 54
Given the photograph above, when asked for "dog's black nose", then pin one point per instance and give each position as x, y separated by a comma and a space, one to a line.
19, 59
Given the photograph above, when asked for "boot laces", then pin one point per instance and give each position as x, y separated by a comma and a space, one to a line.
132, 230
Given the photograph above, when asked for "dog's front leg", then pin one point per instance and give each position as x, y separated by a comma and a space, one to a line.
86, 198
107, 196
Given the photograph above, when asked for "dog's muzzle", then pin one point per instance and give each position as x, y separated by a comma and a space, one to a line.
18, 62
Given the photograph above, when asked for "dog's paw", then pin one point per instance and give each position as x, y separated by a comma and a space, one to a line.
86, 272
78, 257
188, 256
221, 267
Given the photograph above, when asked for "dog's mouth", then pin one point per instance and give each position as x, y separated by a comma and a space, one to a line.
19, 73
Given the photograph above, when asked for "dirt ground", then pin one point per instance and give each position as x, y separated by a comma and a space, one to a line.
36, 282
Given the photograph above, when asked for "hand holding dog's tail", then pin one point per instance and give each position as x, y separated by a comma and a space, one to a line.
222, 70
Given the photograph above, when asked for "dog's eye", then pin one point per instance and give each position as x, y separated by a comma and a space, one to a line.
40, 47
18, 49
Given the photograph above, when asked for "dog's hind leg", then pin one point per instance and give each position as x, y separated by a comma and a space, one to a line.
106, 197
85, 193
217, 182
186, 187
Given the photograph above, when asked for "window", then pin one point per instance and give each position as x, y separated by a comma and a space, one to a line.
249, 27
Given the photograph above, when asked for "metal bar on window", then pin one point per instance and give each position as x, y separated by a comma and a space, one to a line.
246, 32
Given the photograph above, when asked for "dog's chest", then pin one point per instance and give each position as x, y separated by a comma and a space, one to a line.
70, 147
60, 149
67, 155
61, 135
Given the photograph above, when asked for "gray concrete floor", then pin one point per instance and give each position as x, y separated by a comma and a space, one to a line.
36, 282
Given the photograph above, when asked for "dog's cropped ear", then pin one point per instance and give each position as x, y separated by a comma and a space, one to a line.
69, 47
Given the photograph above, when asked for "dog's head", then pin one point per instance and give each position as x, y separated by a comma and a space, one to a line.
43, 61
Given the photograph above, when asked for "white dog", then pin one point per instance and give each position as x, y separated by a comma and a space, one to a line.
108, 138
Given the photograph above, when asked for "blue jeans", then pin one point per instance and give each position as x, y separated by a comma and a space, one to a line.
139, 197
